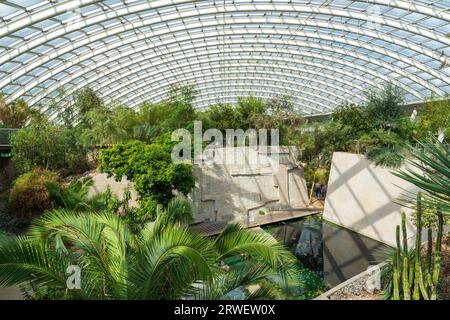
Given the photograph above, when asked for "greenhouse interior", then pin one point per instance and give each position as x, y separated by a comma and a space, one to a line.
224, 150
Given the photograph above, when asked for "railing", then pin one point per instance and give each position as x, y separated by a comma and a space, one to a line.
5, 136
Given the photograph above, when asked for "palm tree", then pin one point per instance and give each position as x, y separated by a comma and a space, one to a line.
163, 261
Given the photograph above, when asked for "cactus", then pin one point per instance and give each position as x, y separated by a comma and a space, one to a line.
429, 249
417, 266
437, 256
410, 275
396, 277
405, 277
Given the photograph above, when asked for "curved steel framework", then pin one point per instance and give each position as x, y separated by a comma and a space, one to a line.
321, 53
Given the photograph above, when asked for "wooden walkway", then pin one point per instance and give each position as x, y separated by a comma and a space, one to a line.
212, 228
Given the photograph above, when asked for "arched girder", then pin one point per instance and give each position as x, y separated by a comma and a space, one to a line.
340, 51
216, 71
201, 79
284, 60
291, 55
107, 33
241, 7
102, 62
422, 50
317, 46
60, 8
211, 57
271, 7
234, 91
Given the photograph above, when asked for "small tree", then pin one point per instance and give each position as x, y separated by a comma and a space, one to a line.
384, 106
151, 168
49, 146
86, 100
14, 114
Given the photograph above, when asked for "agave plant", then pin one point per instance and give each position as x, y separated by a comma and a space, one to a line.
432, 158
163, 261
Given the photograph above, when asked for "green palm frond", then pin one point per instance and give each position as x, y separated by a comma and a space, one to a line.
161, 262
170, 261
178, 211
24, 260
227, 285
266, 291
83, 232
258, 244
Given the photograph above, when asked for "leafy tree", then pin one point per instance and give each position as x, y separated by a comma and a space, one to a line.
223, 116
52, 147
86, 100
436, 117
246, 107
151, 168
384, 148
384, 106
105, 126
164, 261
353, 116
14, 114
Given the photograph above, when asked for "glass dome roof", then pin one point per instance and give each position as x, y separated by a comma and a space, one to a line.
321, 53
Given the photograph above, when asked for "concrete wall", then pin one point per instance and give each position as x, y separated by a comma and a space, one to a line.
237, 192
361, 197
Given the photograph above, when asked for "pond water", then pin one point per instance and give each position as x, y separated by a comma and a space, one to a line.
332, 252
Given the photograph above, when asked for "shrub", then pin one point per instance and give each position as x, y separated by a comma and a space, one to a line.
75, 196
48, 146
85, 100
14, 114
384, 106
150, 166
29, 194
435, 118
9, 222
384, 148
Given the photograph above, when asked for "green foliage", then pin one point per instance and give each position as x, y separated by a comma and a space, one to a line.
29, 195
420, 276
10, 222
86, 100
245, 108
312, 285
436, 117
75, 196
384, 148
163, 261
49, 146
105, 126
319, 147
353, 116
145, 212
255, 113
150, 167
223, 116
384, 106
13, 114
178, 211
377, 129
